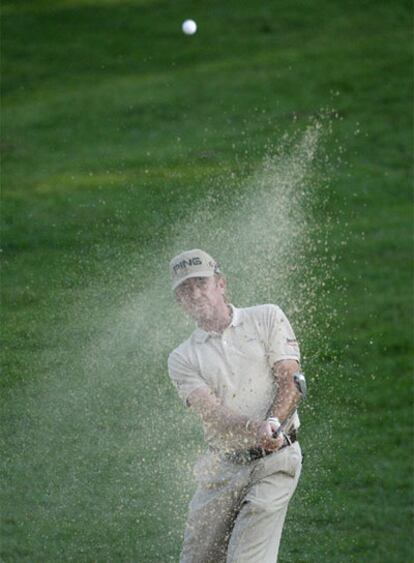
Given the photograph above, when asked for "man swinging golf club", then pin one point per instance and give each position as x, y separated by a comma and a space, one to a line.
239, 371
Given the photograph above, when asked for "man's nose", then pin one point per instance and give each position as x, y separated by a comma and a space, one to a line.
195, 292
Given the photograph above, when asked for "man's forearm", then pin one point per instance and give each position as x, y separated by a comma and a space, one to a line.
234, 430
287, 396
231, 429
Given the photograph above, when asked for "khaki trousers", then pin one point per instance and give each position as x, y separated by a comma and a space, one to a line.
238, 511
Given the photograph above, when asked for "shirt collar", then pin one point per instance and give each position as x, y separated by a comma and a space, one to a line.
237, 316
202, 335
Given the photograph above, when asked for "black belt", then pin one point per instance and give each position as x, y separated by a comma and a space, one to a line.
246, 456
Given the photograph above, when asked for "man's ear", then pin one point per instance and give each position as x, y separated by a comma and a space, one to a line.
221, 283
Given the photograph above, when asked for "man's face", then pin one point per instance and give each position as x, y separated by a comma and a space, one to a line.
201, 298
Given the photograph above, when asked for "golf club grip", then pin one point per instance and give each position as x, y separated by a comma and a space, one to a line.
282, 426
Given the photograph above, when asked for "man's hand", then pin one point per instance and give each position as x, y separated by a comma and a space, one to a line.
265, 437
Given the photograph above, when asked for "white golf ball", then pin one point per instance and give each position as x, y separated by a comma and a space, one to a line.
189, 27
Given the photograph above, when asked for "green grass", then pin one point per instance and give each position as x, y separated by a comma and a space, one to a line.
114, 128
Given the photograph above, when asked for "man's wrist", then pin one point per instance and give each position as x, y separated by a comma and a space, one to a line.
252, 426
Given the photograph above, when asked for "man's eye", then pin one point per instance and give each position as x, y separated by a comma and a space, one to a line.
181, 292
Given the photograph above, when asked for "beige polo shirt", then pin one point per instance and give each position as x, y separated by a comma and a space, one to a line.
236, 364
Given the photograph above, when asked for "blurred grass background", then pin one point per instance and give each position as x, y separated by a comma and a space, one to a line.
114, 124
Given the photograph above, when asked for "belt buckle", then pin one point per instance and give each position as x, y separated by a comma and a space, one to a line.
256, 453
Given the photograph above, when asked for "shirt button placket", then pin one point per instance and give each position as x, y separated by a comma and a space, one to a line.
227, 351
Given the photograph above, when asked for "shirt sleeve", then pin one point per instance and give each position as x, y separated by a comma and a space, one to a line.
184, 376
281, 340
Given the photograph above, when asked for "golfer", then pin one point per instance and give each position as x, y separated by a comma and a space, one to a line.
236, 372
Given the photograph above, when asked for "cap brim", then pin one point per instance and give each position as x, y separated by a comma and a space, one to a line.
204, 274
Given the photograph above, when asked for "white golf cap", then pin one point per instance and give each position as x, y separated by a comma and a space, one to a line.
192, 264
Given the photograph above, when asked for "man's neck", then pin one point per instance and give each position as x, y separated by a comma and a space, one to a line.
220, 322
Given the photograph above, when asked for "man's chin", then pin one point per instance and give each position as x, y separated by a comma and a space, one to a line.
200, 316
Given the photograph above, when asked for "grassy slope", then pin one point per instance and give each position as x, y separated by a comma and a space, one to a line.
113, 121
